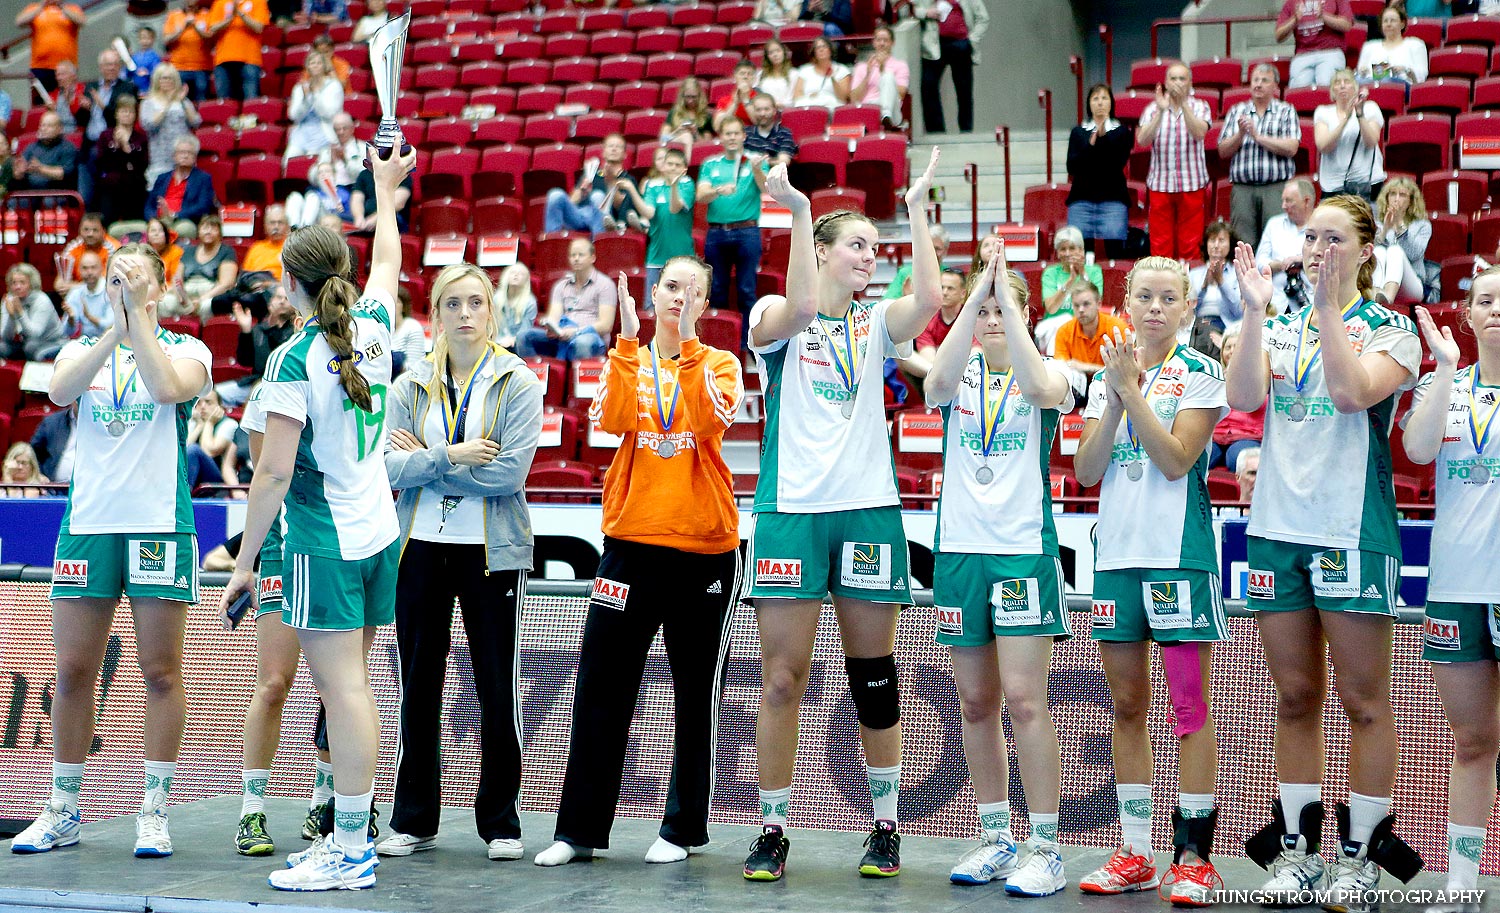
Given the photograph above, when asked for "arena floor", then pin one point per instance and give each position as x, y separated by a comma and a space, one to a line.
205, 875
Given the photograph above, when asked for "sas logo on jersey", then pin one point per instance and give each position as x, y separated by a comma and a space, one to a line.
1261, 585
1011, 596
866, 565
1335, 566
1166, 598
152, 561
1103, 614
610, 593
270, 588
778, 572
950, 621
1440, 635
70, 573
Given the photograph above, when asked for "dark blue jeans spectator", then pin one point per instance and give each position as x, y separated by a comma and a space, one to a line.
246, 74
534, 342
561, 213
201, 468
738, 250
197, 83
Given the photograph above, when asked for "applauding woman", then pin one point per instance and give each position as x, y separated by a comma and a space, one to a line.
827, 515
668, 504
997, 584
1150, 417
1324, 550
464, 426
128, 531
1451, 422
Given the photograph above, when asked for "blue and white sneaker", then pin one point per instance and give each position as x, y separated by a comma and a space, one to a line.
985, 862
324, 867
151, 838
56, 826
295, 859
1040, 872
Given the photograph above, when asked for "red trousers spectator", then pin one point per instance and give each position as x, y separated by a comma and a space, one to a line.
1176, 224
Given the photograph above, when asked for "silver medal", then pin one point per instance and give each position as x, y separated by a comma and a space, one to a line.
666, 449
1134, 471
848, 409
1480, 474
984, 475
116, 428
1297, 411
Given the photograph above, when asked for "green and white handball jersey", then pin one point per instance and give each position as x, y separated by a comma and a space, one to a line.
1466, 534
339, 505
136, 481
1011, 514
813, 459
254, 419
1151, 521
1326, 480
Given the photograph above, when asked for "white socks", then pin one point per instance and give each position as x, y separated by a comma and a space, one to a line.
1135, 816
351, 823
562, 853
322, 784
1294, 798
158, 784
664, 850
1365, 812
1043, 828
67, 782
994, 822
1465, 846
885, 790
773, 806
253, 800
1195, 805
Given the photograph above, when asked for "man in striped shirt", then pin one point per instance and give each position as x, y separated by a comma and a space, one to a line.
1173, 129
1260, 139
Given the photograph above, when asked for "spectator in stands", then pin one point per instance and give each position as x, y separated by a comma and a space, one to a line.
1395, 57
54, 29
777, 13
955, 293
145, 57
822, 82
1401, 243
598, 202
342, 70
362, 202
1280, 245
766, 134
163, 240
210, 438
86, 310
1245, 471
6, 106
169, 116
374, 18
689, 120
666, 203
184, 194
1320, 26
1348, 136
776, 73
69, 97
1098, 151
22, 472
316, 100
1260, 139
258, 339
732, 183
49, 163
580, 312
324, 195
120, 159
837, 16
53, 443
881, 79
1216, 291
1238, 431
7, 166
209, 268
736, 102
347, 154
1174, 128
29, 325
951, 35
91, 239
408, 339
235, 26
515, 304
1072, 265
940, 242
265, 254
189, 42
325, 12
1077, 341
99, 95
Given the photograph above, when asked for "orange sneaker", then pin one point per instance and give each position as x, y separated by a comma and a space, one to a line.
1124, 872
1192, 884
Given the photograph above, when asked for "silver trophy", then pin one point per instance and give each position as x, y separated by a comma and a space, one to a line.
387, 50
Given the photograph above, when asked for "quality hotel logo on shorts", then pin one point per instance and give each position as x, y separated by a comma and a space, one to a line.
1335, 566
1165, 598
153, 557
866, 558
1013, 596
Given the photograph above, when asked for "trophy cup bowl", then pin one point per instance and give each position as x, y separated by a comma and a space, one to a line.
387, 52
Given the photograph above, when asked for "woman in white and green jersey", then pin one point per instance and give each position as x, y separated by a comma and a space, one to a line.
1149, 421
1324, 549
324, 401
1452, 422
127, 531
997, 582
827, 517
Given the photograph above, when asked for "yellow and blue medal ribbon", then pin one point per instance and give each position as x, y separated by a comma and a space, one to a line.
845, 363
118, 390
453, 425
1136, 470
1307, 356
990, 419
1479, 432
666, 449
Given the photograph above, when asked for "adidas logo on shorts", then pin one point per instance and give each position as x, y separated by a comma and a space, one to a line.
1200, 622
182, 582
716, 587
1371, 592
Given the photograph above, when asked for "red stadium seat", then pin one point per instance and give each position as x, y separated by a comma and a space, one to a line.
541, 129
564, 160
562, 474
549, 253
24, 425
538, 98
522, 47
1218, 72
444, 216
799, 32
567, 44
484, 73
448, 131
643, 125
602, 21
1486, 93
1046, 205
434, 52
1450, 237
498, 214
820, 163
1130, 105
720, 328
832, 199
1283, 67
658, 41
260, 171
1390, 98
750, 35
1485, 237
1480, 30
619, 252
553, 375
705, 38
436, 77
734, 13
502, 97
692, 14
528, 73
1418, 143
500, 130
1148, 74
1444, 96
715, 63
805, 122
1455, 269
211, 140
632, 96
669, 66
457, 161
1473, 190
575, 70
605, 44
1306, 100
217, 112
1467, 62
563, 20
647, 17
598, 124
623, 68
867, 116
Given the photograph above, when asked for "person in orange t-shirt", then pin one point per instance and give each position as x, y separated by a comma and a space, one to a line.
186, 36
671, 561
91, 239
235, 26
265, 254
1077, 341
54, 36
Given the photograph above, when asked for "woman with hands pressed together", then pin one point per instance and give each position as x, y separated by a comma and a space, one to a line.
1149, 420
464, 426
997, 582
1324, 549
1452, 422
827, 514
128, 531
671, 562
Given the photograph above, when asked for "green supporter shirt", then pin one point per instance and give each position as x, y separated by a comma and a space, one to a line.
741, 206
671, 232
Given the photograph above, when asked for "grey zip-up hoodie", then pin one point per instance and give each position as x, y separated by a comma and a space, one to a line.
512, 419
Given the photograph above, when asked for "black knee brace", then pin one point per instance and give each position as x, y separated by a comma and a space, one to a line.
1267, 843
1384, 849
1196, 834
872, 684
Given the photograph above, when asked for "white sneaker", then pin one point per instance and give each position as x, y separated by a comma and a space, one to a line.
404, 844
1295, 874
1354, 878
984, 863
151, 838
326, 868
505, 848
297, 858
1040, 872
56, 826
